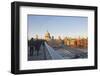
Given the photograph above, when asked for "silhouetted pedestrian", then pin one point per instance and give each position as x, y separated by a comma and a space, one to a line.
31, 45
37, 46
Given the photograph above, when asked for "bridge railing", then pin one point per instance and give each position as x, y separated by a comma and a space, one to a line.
52, 52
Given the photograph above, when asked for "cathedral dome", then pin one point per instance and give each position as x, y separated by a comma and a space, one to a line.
47, 34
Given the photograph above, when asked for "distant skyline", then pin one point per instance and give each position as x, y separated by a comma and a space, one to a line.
71, 26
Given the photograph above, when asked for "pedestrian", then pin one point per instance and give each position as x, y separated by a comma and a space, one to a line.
31, 47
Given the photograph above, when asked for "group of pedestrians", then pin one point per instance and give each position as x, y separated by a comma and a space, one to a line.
34, 46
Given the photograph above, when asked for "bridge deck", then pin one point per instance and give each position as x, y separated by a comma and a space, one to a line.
49, 53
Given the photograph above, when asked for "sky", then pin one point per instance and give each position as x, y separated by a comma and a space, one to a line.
70, 26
